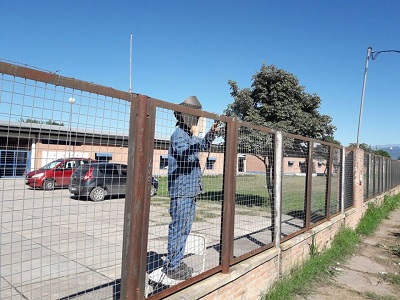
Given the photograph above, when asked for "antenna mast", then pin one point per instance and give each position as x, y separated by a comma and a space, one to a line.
130, 66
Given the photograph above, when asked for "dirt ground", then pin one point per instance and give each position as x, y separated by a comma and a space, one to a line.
373, 272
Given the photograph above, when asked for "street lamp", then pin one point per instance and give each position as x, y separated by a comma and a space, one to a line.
72, 101
370, 54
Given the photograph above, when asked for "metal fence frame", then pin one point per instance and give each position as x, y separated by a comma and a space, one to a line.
382, 174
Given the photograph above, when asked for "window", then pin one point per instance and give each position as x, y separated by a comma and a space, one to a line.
290, 163
163, 162
124, 170
109, 170
210, 163
70, 164
241, 163
103, 156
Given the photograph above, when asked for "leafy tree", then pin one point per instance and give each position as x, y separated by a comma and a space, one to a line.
28, 120
382, 153
276, 100
363, 146
368, 149
49, 122
332, 140
52, 122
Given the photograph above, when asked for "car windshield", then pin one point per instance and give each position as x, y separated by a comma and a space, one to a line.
51, 165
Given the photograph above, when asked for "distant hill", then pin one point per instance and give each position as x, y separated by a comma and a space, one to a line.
393, 150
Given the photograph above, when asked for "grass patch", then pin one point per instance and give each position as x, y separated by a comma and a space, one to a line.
251, 191
301, 279
395, 250
375, 214
392, 278
319, 265
373, 296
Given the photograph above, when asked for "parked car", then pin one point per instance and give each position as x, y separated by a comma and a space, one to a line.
98, 180
55, 174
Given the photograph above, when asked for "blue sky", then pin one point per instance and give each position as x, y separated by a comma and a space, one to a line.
183, 48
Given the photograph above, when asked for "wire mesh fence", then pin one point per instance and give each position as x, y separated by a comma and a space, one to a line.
319, 182
254, 200
55, 244
380, 175
194, 236
348, 179
68, 157
335, 203
294, 185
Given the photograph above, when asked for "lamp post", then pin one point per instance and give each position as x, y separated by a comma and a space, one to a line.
71, 101
370, 54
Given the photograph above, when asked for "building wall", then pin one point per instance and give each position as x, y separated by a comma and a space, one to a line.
290, 165
45, 153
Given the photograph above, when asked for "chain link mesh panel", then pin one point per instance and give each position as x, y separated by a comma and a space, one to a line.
336, 182
254, 191
294, 178
54, 243
62, 237
348, 180
319, 182
197, 239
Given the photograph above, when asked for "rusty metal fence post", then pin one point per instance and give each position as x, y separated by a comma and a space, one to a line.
228, 213
342, 181
309, 185
137, 205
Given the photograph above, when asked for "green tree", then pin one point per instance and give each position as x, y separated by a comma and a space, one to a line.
49, 122
52, 122
369, 149
382, 153
276, 100
363, 146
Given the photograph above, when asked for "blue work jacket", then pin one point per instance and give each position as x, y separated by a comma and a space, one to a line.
184, 170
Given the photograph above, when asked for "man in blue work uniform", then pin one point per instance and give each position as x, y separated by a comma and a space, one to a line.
184, 184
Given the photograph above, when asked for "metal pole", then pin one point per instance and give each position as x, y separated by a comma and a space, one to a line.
130, 66
369, 50
71, 101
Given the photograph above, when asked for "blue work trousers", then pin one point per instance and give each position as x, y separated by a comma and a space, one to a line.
182, 211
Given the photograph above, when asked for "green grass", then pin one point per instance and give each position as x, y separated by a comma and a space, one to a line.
376, 214
373, 296
300, 280
251, 190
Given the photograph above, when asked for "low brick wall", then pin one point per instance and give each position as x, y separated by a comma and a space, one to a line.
246, 280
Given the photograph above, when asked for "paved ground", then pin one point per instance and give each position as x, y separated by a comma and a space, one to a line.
370, 272
54, 246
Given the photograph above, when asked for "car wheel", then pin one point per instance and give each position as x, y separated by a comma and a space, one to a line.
153, 191
48, 184
98, 194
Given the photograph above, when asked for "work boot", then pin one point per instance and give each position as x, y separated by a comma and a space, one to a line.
181, 272
184, 266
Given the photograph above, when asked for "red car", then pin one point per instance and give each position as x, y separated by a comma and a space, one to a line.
55, 174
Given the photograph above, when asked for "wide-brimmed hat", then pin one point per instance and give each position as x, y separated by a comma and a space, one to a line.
192, 101
189, 120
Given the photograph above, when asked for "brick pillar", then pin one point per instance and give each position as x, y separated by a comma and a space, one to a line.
358, 179
353, 216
